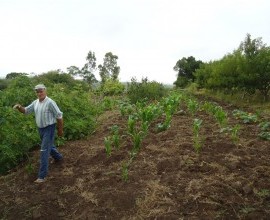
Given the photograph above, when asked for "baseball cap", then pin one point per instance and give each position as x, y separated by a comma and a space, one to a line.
40, 86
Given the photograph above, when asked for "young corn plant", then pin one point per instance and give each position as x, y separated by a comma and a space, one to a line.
136, 136
173, 101
131, 124
192, 106
108, 146
221, 117
167, 123
209, 107
125, 108
29, 166
137, 140
235, 133
115, 136
125, 171
196, 129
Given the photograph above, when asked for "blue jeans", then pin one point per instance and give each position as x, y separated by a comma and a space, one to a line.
47, 148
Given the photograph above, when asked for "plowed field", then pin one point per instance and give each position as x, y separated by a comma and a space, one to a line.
167, 179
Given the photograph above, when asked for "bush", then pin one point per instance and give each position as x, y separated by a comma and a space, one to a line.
79, 112
18, 132
55, 77
112, 87
137, 91
3, 84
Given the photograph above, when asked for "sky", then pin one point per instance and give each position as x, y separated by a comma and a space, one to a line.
148, 36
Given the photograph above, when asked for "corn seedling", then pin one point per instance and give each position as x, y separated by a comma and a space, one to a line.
234, 133
126, 108
145, 127
167, 123
148, 113
192, 106
196, 128
263, 193
137, 140
125, 172
115, 136
221, 116
29, 166
108, 146
131, 124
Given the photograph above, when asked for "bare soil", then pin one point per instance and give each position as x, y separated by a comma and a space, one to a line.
167, 179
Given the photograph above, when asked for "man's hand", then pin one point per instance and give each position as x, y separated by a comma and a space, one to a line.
17, 106
60, 127
60, 132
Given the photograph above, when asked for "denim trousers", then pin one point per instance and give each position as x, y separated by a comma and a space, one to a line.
47, 148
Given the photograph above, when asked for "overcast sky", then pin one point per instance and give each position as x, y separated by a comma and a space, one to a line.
148, 36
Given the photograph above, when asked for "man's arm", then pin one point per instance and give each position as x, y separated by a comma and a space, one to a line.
60, 127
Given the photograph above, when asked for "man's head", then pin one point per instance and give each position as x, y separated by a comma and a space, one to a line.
41, 91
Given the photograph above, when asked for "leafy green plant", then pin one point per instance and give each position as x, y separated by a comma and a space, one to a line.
131, 124
265, 135
115, 136
197, 140
221, 116
125, 172
137, 140
264, 126
108, 146
29, 168
167, 123
192, 106
150, 90
125, 108
235, 132
244, 116
263, 193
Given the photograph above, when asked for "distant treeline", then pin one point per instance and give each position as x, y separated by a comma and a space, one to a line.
246, 70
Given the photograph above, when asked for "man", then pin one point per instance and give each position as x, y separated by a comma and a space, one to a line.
47, 114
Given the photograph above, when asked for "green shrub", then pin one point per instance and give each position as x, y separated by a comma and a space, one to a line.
137, 91
79, 111
112, 87
18, 132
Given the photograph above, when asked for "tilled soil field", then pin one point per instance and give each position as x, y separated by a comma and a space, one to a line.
167, 179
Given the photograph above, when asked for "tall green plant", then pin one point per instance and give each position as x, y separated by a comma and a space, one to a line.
196, 129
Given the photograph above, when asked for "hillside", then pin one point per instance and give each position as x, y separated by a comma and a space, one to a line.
167, 180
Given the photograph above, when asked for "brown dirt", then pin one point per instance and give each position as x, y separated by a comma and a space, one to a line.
167, 179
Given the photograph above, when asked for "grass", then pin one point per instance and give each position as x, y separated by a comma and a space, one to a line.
253, 102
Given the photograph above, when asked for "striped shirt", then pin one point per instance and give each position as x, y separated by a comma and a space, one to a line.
46, 112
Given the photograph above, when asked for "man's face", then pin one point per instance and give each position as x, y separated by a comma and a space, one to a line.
41, 93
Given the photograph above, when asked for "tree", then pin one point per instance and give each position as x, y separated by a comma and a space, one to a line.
14, 75
250, 48
262, 72
109, 69
186, 68
74, 71
256, 57
88, 70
